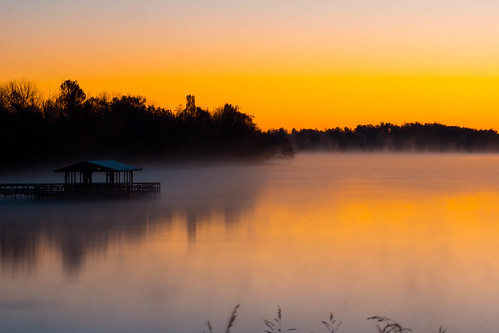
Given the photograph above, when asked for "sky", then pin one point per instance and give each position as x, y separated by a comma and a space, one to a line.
292, 64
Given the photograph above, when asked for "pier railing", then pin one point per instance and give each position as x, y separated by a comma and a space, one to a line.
68, 190
16, 190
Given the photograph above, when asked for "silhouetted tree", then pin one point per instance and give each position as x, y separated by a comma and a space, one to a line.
231, 123
22, 125
20, 96
71, 98
190, 105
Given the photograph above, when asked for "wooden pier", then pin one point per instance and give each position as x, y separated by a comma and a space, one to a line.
79, 183
61, 190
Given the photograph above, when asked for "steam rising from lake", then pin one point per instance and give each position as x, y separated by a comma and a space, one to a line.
407, 236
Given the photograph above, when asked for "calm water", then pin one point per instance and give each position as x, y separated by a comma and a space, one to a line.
410, 237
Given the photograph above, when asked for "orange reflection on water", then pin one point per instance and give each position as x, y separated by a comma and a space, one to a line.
403, 250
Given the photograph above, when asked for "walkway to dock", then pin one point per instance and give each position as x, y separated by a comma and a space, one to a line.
61, 190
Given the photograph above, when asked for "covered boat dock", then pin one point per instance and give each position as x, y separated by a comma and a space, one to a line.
91, 178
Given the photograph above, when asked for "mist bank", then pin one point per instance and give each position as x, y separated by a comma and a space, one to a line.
70, 125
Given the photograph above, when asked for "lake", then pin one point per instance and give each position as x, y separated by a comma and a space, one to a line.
412, 237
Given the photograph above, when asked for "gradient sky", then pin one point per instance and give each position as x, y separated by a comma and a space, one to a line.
302, 64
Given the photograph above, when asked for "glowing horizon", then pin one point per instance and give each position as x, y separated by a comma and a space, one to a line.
290, 64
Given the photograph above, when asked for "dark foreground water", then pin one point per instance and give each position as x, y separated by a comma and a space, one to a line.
410, 237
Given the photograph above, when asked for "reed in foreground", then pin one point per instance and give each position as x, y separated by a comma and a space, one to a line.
275, 326
229, 324
383, 324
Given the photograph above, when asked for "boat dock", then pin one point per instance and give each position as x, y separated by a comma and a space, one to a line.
78, 183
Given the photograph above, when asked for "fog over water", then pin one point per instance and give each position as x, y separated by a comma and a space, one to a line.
407, 236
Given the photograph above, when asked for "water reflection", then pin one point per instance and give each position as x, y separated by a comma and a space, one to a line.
410, 237
74, 229
28, 229
79, 229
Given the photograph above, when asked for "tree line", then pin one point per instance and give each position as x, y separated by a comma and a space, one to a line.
410, 137
71, 125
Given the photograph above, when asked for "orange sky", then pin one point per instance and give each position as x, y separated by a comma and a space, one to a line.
289, 63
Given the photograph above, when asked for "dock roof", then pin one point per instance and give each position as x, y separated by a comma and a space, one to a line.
100, 165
